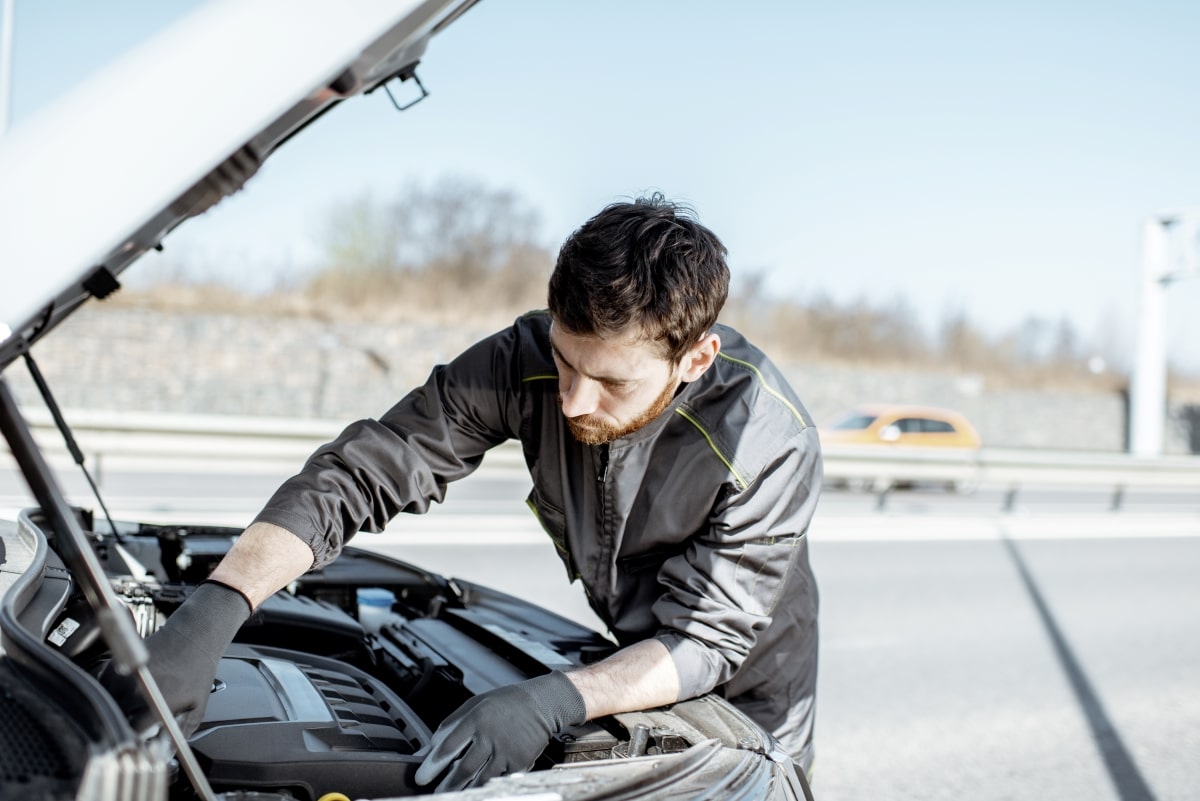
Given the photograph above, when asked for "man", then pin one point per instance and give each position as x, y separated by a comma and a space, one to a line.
673, 467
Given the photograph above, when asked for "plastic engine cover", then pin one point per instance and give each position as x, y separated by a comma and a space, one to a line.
284, 719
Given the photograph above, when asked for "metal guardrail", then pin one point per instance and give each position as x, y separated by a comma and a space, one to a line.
882, 468
886, 464
106, 436
216, 439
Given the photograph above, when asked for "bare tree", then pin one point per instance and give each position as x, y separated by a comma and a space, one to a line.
1066, 348
453, 243
962, 345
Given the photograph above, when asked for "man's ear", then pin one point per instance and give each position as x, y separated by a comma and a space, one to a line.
697, 360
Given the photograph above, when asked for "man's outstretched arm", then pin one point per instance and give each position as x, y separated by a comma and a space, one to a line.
640, 676
264, 559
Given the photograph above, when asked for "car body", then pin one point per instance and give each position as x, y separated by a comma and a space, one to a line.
940, 449
903, 425
314, 697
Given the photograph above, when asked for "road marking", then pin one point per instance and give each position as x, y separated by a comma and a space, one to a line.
908, 528
486, 526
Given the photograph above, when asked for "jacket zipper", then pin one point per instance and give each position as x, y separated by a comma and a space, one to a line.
603, 474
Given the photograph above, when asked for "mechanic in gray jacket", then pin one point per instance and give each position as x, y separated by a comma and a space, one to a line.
673, 467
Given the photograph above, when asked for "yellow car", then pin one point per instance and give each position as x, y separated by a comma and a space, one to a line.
916, 426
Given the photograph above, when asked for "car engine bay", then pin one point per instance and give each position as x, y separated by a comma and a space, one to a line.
319, 695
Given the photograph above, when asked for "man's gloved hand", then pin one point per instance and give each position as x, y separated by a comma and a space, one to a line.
184, 654
501, 731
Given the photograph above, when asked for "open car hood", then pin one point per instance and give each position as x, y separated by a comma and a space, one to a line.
103, 175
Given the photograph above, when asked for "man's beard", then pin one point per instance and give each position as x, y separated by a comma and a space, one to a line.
597, 432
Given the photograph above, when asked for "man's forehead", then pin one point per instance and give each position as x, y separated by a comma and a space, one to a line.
629, 352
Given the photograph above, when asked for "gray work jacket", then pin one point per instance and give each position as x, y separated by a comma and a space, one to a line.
691, 529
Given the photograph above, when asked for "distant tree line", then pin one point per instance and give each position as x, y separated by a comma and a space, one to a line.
1037, 352
455, 248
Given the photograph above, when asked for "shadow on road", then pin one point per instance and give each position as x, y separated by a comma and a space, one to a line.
1126, 778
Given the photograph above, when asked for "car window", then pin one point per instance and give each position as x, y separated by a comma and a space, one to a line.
855, 422
909, 425
937, 427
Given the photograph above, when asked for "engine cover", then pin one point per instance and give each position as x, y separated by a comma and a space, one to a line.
285, 719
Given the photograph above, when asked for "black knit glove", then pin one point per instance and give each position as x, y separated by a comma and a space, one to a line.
501, 731
184, 654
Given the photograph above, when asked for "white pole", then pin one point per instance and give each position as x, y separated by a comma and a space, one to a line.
6, 46
1148, 395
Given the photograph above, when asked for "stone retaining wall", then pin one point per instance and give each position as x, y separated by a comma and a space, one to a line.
144, 360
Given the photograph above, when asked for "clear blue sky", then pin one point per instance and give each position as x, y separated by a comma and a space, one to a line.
993, 158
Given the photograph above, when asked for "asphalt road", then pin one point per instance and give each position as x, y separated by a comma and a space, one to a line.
1009, 669
1050, 651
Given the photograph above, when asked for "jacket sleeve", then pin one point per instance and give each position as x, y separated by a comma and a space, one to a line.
724, 590
403, 461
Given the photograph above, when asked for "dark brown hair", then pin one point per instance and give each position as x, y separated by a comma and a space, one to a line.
646, 264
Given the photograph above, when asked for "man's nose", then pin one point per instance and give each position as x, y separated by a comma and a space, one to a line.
580, 396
